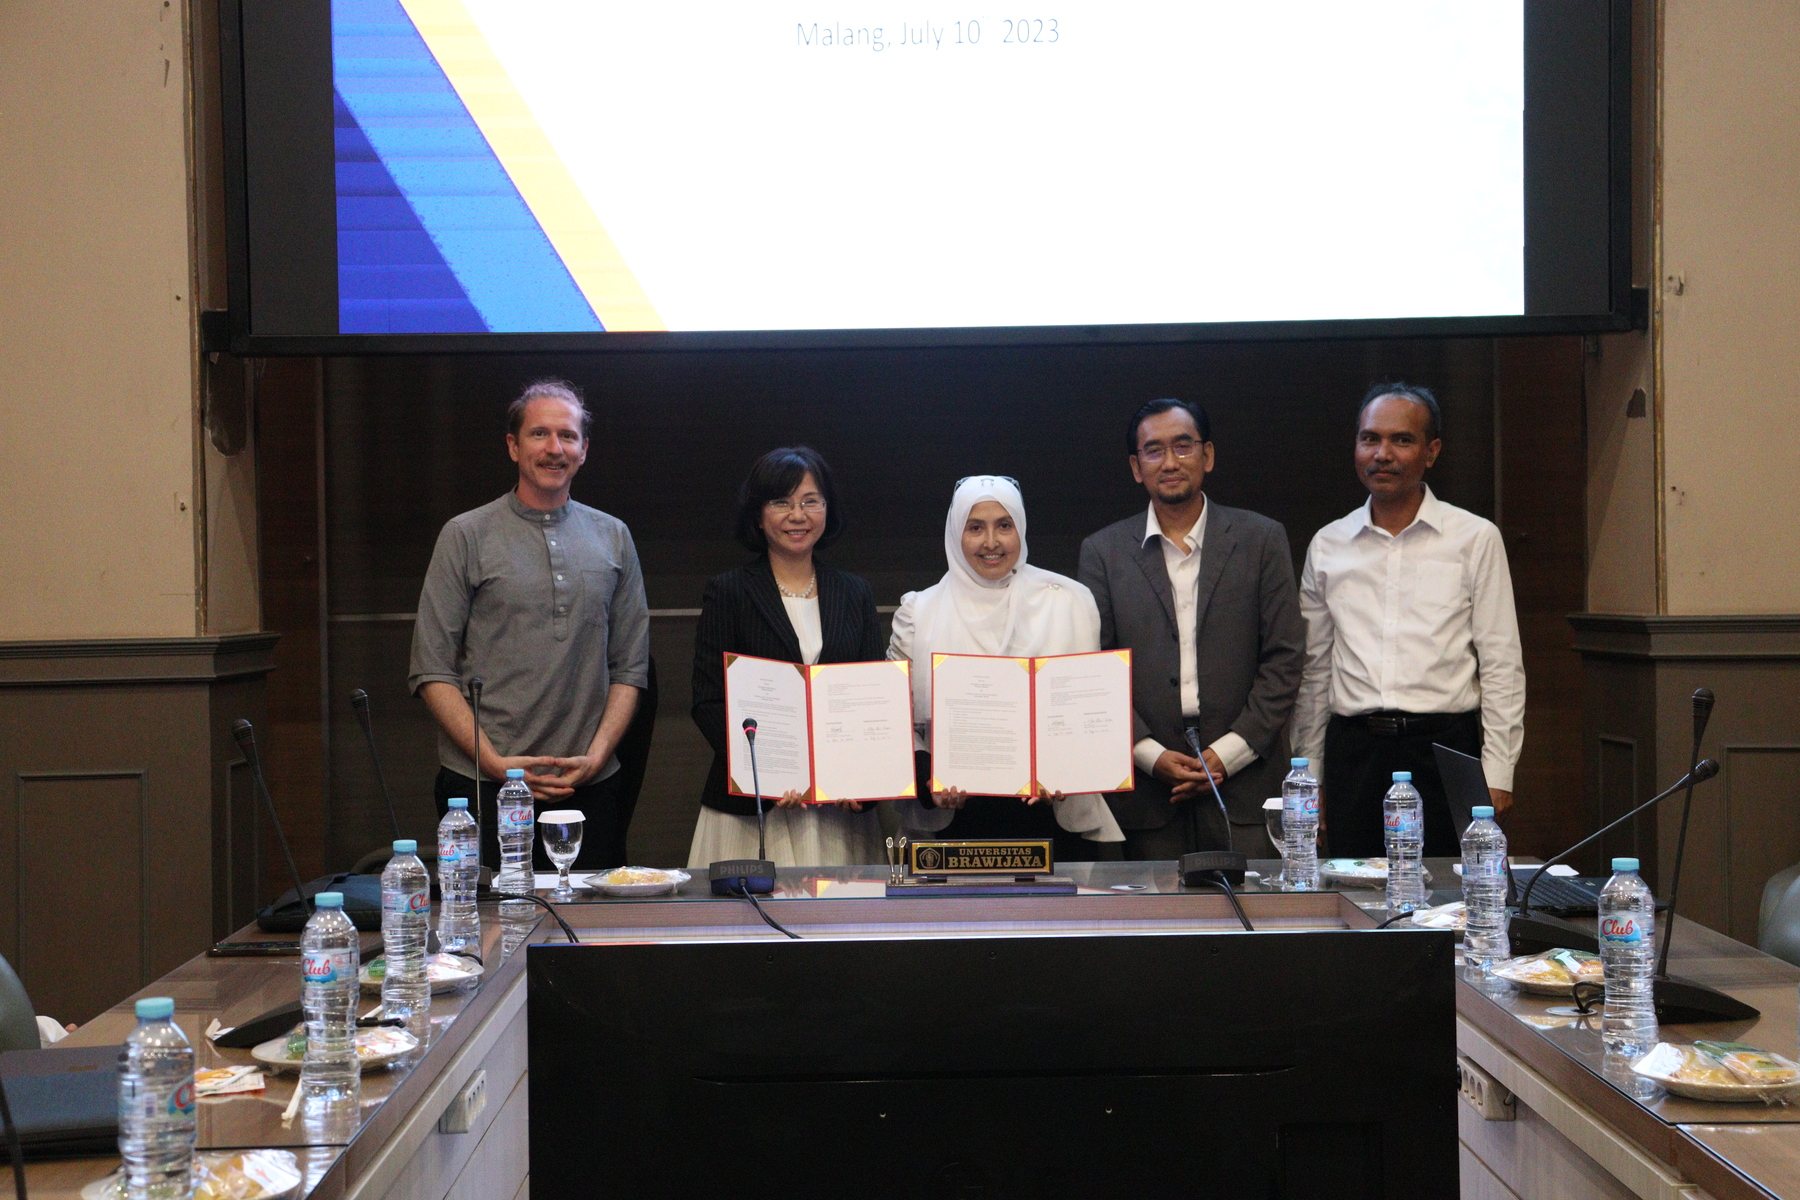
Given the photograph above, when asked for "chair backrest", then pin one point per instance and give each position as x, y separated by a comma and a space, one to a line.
1778, 924
18, 1020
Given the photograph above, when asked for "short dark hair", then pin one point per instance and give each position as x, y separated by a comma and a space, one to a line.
1149, 410
1434, 427
775, 475
538, 389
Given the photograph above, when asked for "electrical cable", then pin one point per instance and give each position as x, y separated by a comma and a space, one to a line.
1219, 881
763, 913
551, 908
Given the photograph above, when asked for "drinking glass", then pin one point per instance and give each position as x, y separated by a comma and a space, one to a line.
562, 842
1272, 823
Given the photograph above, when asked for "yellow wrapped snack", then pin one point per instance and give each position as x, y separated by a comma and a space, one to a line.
1747, 1064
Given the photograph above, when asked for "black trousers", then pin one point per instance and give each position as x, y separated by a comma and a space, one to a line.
1194, 824
1359, 770
602, 837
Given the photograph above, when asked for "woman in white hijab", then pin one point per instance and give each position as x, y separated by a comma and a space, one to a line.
991, 601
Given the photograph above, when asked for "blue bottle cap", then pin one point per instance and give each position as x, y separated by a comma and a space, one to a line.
406, 846
459, 802
329, 900
1625, 864
1297, 762
1482, 812
155, 1008
1402, 776
515, 773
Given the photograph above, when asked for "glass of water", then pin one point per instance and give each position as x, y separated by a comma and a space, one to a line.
562, 842
1272, 823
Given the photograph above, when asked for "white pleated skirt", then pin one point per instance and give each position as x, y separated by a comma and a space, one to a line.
821, 836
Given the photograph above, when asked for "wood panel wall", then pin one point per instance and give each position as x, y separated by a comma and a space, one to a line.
410, 442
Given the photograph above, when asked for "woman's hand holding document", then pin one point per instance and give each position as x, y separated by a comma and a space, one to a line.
831, 732
1031, 726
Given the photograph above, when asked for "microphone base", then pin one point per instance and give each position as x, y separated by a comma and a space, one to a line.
1684, 1002
1199, 868
1678, 1001
734, 875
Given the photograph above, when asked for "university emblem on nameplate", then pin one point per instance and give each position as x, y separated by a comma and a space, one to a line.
1010, 857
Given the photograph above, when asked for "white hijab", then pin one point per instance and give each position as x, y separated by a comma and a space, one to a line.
1030, 612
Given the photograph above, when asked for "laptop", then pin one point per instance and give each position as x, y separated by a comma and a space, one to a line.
65, 1102
1465, 786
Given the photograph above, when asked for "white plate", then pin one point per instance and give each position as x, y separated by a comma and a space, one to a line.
448, 972
375, 1048
274, 1175
666, 881
1507, 970
1453, 915
1358, 872
1660, 1063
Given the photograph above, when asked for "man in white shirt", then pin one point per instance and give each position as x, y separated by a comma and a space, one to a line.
1203, 595
1411, 637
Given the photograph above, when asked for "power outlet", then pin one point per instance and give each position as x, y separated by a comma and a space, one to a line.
1485, 1094
460, 1116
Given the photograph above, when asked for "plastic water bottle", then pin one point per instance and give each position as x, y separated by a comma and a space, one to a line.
459, 924
330, 958
405, 921
1403, 826
1484, 882
156, 1105
1628, 956
517, 817
1300, 827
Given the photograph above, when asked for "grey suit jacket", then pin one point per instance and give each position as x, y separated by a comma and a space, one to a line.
1250, 642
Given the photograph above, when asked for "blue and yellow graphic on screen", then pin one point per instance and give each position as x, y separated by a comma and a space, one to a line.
455, 215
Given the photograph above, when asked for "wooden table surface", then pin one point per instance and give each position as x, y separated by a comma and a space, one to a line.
239, 989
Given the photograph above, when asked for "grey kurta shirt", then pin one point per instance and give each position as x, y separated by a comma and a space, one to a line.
548, 609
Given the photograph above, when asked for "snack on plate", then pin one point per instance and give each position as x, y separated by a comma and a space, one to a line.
225, 1175
1749, 1065
1553, 969
631, 876
1696, 1067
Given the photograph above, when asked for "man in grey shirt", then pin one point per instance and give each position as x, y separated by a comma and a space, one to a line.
542, 599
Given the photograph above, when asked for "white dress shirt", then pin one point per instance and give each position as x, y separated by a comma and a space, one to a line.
1421, 621
1182, 561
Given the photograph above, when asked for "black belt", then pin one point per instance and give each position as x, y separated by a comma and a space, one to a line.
1401, 724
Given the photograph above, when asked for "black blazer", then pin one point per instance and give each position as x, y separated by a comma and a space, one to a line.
742, 613
1250, 641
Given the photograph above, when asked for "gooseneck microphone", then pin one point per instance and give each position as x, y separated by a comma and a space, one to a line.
359, 700
1703, 770
1703, 706
756, 786
749, 877
245, 736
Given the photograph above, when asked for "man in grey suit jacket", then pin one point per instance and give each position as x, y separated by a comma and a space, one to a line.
1204, 597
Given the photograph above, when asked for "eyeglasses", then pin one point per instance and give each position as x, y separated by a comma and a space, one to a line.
1155, 452
812, 506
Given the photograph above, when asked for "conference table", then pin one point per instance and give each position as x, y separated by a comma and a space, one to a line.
1581, 1127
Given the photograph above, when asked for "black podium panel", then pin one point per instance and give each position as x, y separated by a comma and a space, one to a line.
1298, 1065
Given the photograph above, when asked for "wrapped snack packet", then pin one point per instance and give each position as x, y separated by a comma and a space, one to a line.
1749, 1064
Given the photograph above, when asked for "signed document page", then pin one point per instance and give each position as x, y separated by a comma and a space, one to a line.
1083, 722
774, 693
981, 724
862, 730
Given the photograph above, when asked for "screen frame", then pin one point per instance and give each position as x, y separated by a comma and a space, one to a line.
1625, 310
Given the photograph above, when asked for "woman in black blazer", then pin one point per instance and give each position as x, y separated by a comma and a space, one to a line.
785, 605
